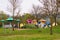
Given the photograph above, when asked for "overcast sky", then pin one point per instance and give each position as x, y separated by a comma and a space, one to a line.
26, 5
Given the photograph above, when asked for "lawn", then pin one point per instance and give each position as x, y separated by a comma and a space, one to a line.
33, 34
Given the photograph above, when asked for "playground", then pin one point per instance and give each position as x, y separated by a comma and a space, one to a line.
31, 30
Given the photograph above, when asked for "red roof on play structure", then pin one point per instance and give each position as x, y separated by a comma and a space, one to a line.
29, 21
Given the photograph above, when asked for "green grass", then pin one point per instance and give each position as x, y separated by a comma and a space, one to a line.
34, 34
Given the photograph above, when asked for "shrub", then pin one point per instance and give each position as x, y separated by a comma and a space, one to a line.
30, 26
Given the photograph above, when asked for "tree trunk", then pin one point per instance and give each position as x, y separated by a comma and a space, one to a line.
55, 20
51, 26
13, 20
51, 30
13, 26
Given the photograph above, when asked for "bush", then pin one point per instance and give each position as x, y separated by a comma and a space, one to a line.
30, 26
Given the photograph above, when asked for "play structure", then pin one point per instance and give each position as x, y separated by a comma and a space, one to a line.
54, 24
29, 21
2, 22
8, 22
10, 19
34, 21
21, 25
42, 23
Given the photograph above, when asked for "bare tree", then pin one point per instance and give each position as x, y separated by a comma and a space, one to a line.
54, 4
36, 11
14, 4
50, 9
46, 10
